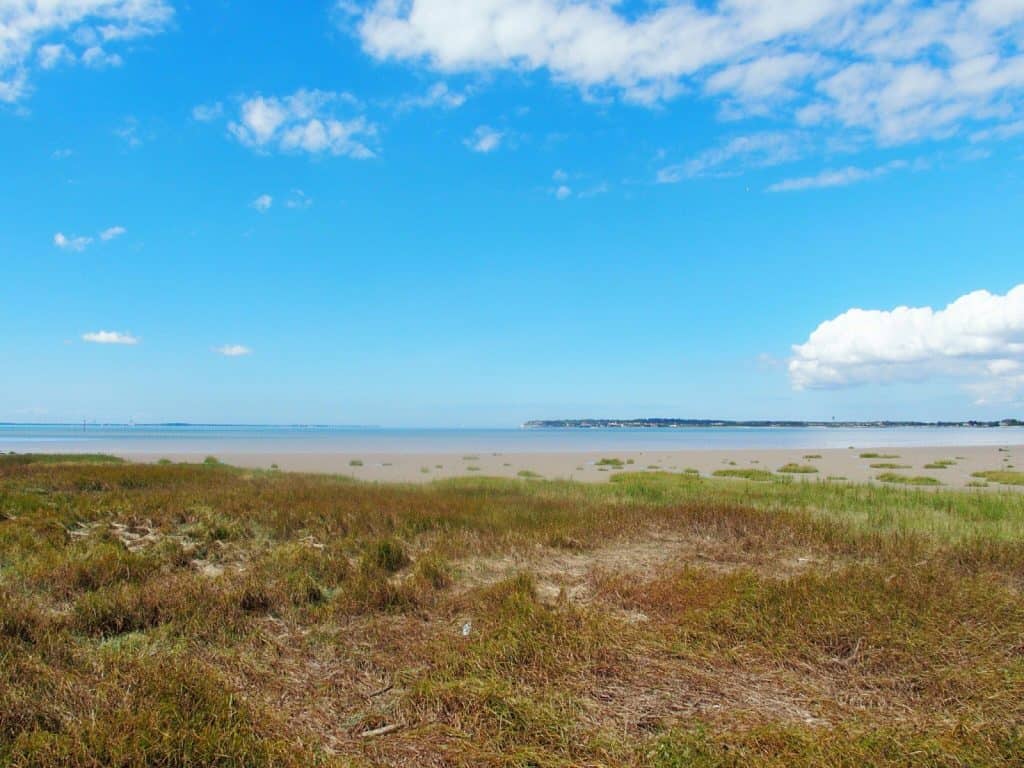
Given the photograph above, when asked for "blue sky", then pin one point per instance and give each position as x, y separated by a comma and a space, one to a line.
443, 212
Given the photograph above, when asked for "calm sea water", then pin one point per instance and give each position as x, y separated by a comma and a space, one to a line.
214, 440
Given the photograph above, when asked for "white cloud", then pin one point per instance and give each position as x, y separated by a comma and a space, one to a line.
899, 71
438, 95
563, 192
206, 113
110, 337
484, 139
73, 243
298, 199
128, 132
306, 121
979, 336
758, 150
233, 350
61, 154
262, 203
842, 177
111, 233
47, 34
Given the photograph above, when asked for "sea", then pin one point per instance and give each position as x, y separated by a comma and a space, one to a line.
220, 439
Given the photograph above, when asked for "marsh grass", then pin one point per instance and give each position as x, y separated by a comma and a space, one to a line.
889, 465
179, 615
895, 477
873, 455
760, 475
1001, 476
798, 469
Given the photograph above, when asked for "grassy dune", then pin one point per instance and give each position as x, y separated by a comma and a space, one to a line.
182, 615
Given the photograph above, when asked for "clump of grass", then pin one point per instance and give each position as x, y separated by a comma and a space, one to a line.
1001, 476
611, 462
760, 475
212, 461
895, 477
528, 474
812, 456
471, 458
798, 469
386, 554
873, 455
889, 465
940, 464
23, 459
472, 469
691, 471
356, 463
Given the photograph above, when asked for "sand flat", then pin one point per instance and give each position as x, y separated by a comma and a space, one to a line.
586, 467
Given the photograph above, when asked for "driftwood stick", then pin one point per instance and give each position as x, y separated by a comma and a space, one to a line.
382, 731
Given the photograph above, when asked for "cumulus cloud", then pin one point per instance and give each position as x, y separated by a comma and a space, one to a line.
73, 243
298, 199
49, 34
306, 121
262, 203
842, 177
484, 139
233, 350
110, 337
900, 71
110, 233
979, 336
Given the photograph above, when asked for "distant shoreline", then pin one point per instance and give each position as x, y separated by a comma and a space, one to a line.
660, 423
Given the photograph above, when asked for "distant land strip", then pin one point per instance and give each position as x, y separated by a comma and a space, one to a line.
711, 423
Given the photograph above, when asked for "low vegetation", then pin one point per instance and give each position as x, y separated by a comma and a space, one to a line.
895, 477
1002, 476
760, 475
873, 455
798, 469
179, 615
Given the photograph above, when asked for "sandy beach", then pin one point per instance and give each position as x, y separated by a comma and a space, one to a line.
857, 464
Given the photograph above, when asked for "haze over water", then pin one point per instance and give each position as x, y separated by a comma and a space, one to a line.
213, 440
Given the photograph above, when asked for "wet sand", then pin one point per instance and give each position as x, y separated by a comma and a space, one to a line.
849, 464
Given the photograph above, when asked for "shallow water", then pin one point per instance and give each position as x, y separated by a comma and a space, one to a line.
213, 440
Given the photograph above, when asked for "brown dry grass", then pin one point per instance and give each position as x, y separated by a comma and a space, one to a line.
201, 615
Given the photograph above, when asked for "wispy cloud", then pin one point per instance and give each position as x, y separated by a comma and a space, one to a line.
206, 113
54, 34
484, 139
439, 95
110, 337
262, 203
233, 350
735, 155
110, 233
842, 177
73, 243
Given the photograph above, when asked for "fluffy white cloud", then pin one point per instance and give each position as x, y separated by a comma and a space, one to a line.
233, 350
110, 337
484, 139
73, 243
298, 199
110, 233
306, 121
563, 192
262, 203
898, 71
980, 335
843, 177
47, 34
